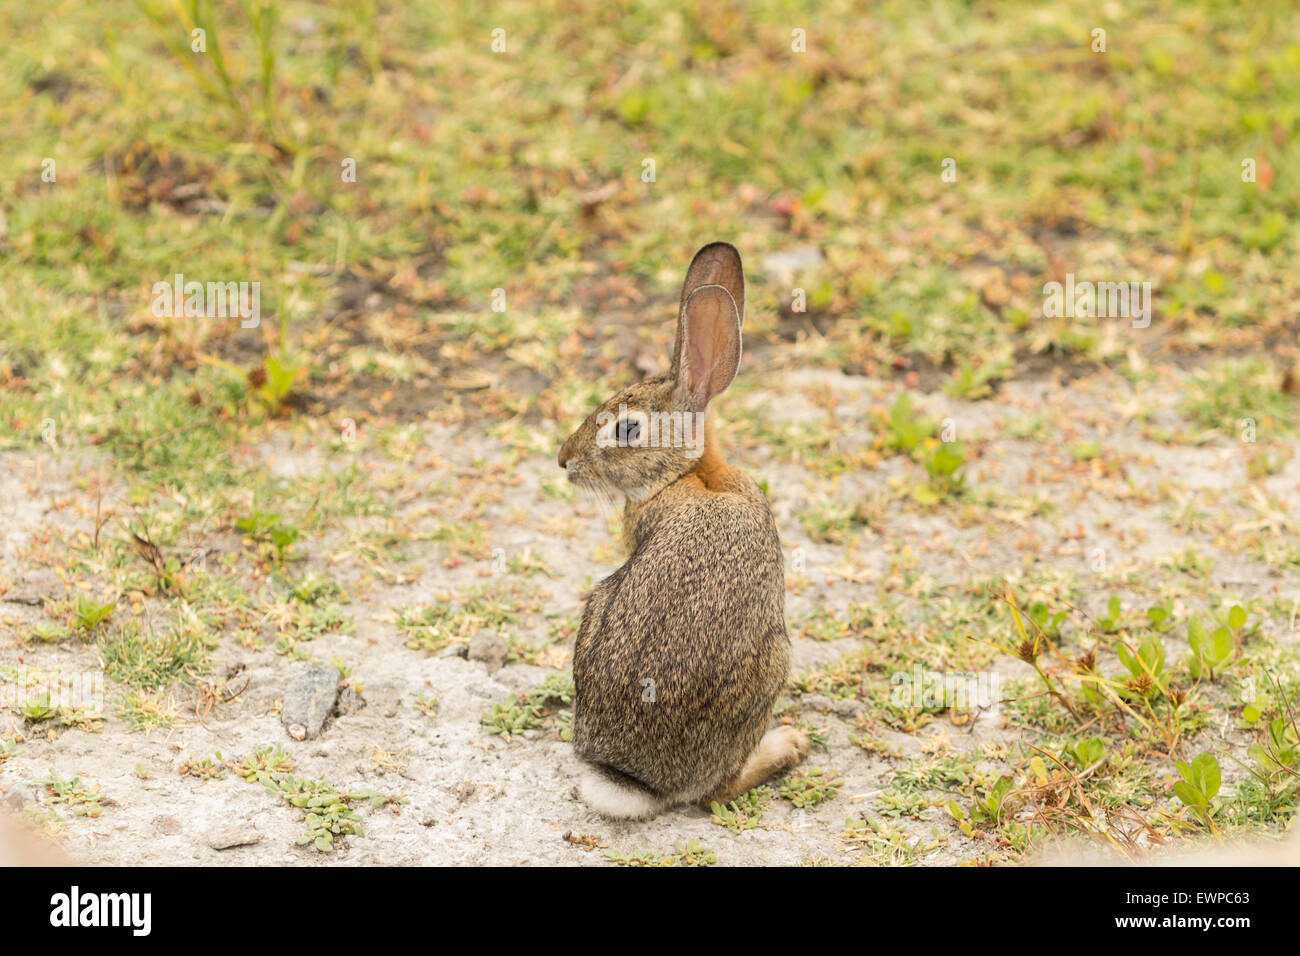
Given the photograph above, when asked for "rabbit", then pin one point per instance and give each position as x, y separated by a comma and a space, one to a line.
682, 651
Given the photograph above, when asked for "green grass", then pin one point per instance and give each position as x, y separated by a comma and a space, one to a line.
1242, 398
146, 660
739, 126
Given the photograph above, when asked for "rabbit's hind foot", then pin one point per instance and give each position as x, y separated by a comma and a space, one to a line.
781, 749
616, 795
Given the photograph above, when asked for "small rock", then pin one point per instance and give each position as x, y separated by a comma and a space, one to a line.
168, 826
847, 708
836, 706
224, 838
488, 648
30, 598
309, 701
454, 650
783, 266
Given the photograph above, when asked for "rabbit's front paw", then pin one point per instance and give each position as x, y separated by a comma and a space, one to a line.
788, 747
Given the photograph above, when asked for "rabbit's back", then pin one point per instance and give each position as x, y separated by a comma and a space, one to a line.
683, 650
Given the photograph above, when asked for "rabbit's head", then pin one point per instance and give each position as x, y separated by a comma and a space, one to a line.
652, 433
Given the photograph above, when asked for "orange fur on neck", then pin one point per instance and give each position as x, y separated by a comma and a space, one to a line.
711, 469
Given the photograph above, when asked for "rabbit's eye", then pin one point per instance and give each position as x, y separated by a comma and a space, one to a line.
629, 430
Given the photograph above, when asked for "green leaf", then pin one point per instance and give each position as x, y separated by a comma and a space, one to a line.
1152, 654
1189, 795
1263, 758
1090, 751
1039, 769
1221, 647
1206, 767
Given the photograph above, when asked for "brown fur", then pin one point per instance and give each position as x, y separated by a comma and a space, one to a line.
780, 750
698, 609
19, 846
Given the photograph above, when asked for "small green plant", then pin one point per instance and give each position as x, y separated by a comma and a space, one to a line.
81, 719
38, 709
531, 710
1211, 651
148, 661
265, 763
89, 614
82, 799
943, 467
810, 786
426, 705
988, 808
1146, 667
144, 708
9, 746
1028, 649
905, 430
270, 528
279, 378
328, 811
510, 720
885, 844
1280, 754
1199, 786
1161, 615
1084, 753
1113, 620
1085, 450
1047, 622
328, 814
895, 803
49, 632
315, 588
691, 854
204, 769
963, 823
975, 380
744, 812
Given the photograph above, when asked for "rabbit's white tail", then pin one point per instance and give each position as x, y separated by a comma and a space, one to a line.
616, 795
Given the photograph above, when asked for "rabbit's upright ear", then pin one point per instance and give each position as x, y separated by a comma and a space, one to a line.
707, 352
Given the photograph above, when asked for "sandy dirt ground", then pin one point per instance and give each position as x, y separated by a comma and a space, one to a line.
474, 798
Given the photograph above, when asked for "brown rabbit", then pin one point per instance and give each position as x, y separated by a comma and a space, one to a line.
683, 650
